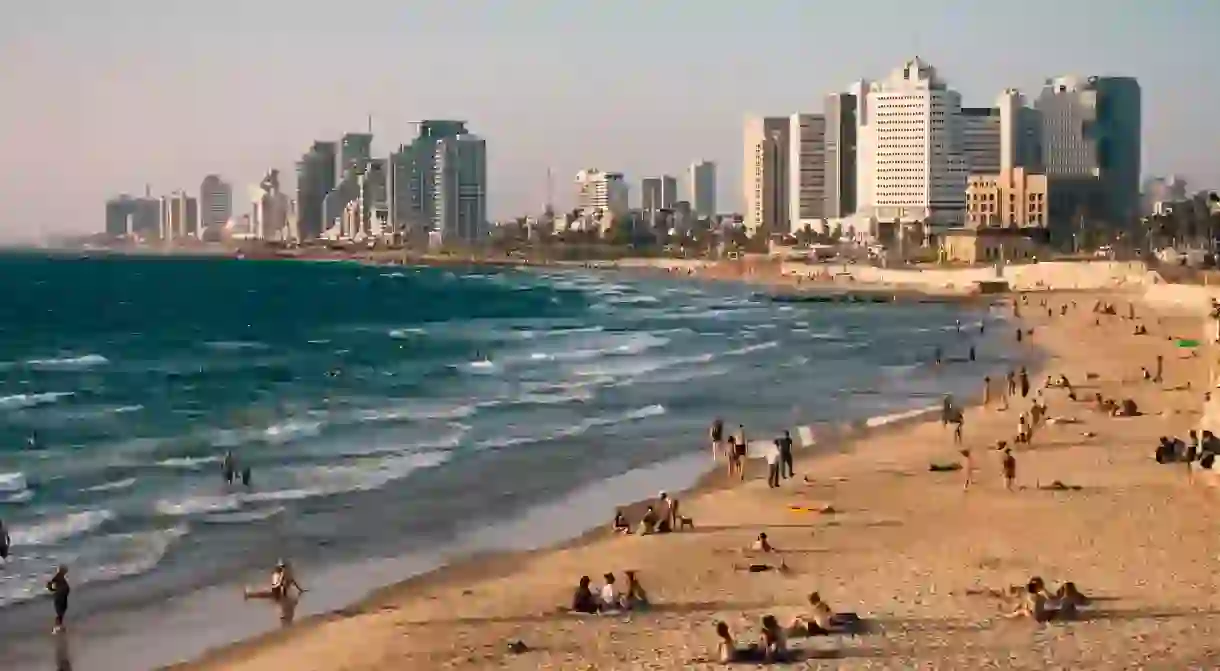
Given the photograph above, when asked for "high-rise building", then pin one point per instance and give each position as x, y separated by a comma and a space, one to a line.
981, 139
1091, 144
460, 189
412, 173
765, 178
271, 209
119, 214
840, 112
373, 185
215, 203
315, 179
355, 150
146, 219
601, 194
658, 193
179, 217
806, 170
703, 188
1020, 133
909, 163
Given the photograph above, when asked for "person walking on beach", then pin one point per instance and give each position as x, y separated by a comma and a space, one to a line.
716, 433
967, 468
773, 465
959, 421
1160, 369
785, 456
986, 390
1008, 465
60, 589
1024, 379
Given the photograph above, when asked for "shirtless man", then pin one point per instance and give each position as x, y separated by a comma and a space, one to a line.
716, 433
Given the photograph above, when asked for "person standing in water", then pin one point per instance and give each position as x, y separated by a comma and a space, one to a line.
228, 468
5, 542
60, 589
716, 433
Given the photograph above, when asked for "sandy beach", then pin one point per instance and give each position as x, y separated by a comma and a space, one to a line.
907, 549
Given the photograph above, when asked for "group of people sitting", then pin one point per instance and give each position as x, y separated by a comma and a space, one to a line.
1175, 450
1033, 601
609, 598
1115, 408
772, 645
659, 518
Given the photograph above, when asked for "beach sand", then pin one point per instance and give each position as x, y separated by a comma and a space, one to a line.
906, 548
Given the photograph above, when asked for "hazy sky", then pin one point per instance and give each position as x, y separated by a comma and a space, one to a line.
102, 96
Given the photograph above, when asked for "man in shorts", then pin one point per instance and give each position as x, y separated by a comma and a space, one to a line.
717, 435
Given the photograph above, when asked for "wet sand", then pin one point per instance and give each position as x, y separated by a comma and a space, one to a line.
906, 548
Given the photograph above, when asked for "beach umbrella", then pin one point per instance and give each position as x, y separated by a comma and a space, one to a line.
1187, 342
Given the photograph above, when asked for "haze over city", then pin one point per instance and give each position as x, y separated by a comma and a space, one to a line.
104, 97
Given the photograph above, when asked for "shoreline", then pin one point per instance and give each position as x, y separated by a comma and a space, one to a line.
842, 438
1124, 554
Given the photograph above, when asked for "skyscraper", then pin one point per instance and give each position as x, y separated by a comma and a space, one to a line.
412, 175
1020, 133
600, 193
981, 139
119, 213
1091, 144
658, 193
765, 178
215, 203
910, 165
315, 179
374, 197
806, 170
179, 217
355, 150
840, 112
703, 188
460, 189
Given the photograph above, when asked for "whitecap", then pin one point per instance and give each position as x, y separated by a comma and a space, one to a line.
13, 482
234, 345
17, 401
111, 486
194, 505
245, 517
286, 432
193, 463
20, 497
753, 348
69, 363
49, 531
404, 334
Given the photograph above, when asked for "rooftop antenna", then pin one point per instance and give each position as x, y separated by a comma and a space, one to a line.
370, 119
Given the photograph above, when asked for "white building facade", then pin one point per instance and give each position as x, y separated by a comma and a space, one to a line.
910, 165
765, 175
601, 194
215, 203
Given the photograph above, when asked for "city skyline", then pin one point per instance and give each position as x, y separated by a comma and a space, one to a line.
144, 122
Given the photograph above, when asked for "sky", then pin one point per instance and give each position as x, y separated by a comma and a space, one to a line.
99, 97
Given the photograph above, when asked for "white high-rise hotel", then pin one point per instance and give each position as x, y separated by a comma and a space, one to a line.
910, 162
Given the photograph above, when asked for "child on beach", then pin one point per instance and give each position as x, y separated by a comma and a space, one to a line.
967, 468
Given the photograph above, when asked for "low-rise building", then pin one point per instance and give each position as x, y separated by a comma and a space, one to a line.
991, 245
1013, 197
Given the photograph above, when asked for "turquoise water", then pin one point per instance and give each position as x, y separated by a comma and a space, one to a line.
378, 407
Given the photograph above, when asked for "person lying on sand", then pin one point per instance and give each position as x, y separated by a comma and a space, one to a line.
620, 523
283, 581
583, 600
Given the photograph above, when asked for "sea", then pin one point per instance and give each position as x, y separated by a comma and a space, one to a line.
382, 409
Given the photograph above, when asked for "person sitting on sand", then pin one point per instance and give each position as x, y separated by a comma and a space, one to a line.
774, 647
583, 600
819, 622
610, 599
1068, 600
635, 597
620, 522
761, 544
648, 524
726, 648
1033, 604
283, 581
